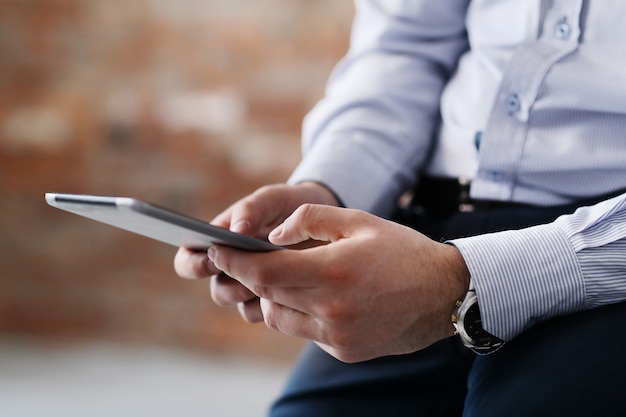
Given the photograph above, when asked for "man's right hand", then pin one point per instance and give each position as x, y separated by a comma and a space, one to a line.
254, 215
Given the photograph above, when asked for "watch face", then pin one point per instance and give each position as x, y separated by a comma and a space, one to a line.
472, 324
468, 323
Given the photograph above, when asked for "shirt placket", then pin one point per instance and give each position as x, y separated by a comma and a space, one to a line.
504, 137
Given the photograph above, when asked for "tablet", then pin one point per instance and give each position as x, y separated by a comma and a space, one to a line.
155, 222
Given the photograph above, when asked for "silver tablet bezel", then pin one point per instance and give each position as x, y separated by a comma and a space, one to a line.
155, 222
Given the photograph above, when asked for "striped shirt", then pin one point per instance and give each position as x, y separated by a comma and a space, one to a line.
526, 98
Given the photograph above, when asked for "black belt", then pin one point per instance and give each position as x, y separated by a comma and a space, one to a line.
440, 198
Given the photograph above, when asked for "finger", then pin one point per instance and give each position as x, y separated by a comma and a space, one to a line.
261, 272
317, 222
193, 265
239, 219
258, 213
290, 321
223, 219
226, 291
276, 282
251, 310
298, 324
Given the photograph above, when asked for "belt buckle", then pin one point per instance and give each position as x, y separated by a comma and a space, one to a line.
466, 204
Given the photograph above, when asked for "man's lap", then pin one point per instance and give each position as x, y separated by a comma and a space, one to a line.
570, 366
430, 383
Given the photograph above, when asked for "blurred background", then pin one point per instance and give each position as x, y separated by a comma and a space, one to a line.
190, 104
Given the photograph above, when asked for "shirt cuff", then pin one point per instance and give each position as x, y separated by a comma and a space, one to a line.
523, 277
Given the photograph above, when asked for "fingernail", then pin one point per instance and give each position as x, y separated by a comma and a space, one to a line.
211, 252
277, 231
240, 227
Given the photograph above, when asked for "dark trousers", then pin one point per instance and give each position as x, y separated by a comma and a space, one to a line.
569, 366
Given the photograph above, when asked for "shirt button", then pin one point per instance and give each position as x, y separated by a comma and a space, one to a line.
513, 103
562, 30
495, 175
477, 138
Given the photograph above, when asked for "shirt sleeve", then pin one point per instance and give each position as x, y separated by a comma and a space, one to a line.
526, 276
367, 138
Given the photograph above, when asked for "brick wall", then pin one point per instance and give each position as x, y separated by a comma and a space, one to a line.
187, 103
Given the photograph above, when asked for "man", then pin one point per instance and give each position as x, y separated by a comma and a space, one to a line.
528, 101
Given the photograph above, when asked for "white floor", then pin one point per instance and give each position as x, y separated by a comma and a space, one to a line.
97, 380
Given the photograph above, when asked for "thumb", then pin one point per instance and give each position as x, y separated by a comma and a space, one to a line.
314, 222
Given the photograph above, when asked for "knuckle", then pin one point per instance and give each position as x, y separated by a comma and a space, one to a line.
262, 291
263, 277
334, 313
304, 211
265, 189
341, 327
247, 205
342, 340
262, 193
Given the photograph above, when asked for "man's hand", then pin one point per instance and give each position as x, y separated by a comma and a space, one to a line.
254, 215
377, 288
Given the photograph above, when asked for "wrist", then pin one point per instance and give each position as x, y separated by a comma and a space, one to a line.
458, 272
454, 278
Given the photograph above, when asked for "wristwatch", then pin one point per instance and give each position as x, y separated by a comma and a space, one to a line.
467, 322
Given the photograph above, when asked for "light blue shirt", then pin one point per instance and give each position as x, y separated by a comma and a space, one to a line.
527, 98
